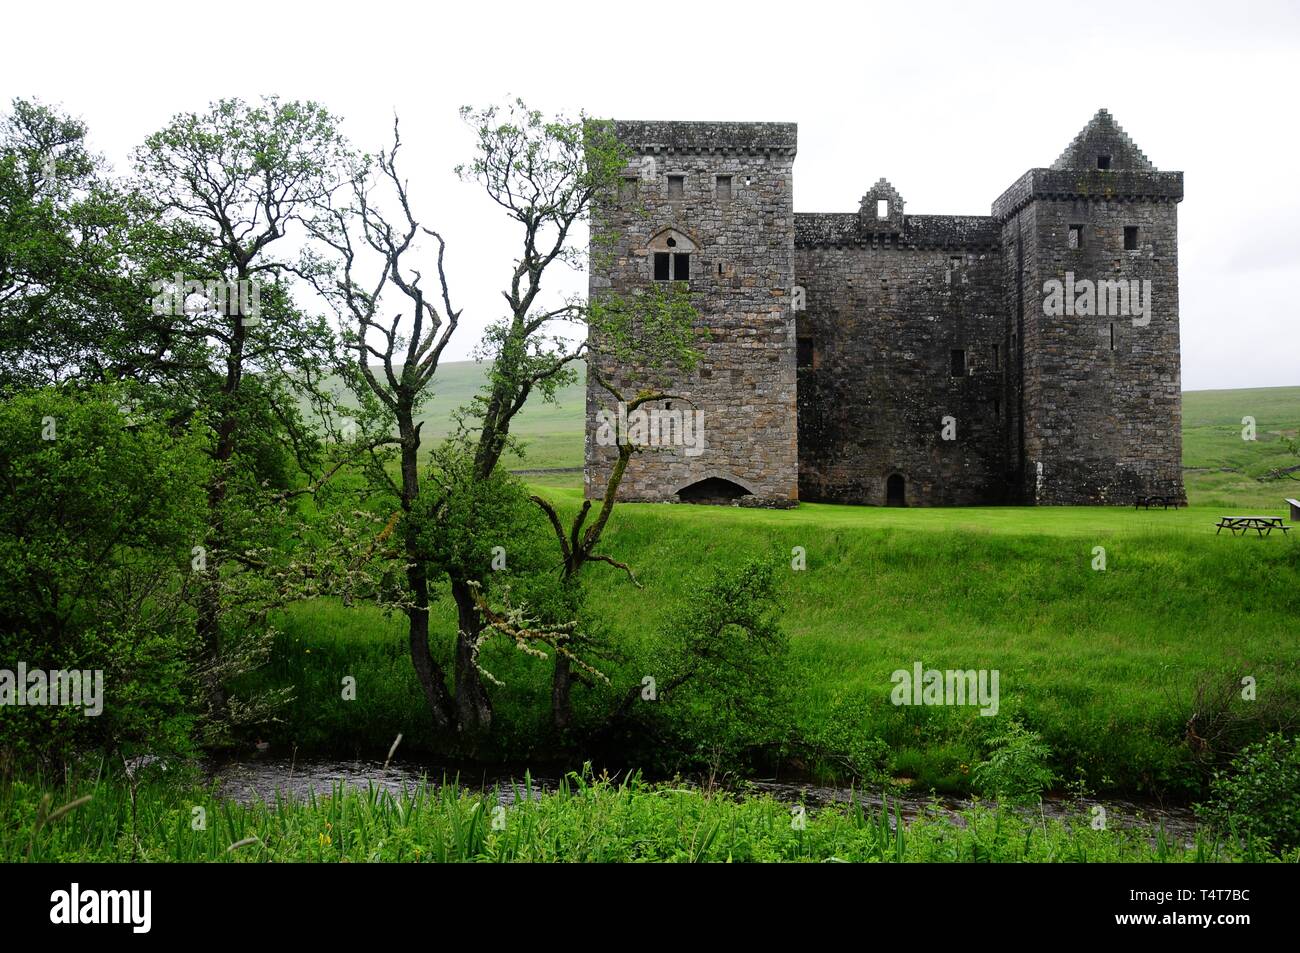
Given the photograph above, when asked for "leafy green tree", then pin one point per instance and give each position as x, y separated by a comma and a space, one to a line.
97, 521
67, 235
229, 185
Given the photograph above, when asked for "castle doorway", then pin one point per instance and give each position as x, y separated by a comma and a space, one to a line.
895, 490
712, 490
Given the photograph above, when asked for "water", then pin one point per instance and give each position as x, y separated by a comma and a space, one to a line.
261, 779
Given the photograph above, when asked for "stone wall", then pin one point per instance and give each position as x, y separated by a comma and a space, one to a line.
1102, 392
879, 394
741, 273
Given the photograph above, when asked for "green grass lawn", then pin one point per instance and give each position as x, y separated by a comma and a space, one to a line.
1104, 664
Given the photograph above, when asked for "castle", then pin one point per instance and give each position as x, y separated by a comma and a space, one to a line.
1029, 356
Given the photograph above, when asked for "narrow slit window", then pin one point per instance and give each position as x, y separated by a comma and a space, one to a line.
997, 408
882, 208
1076, 236
958, 362
661, 266
804, 352
1112, 336
1130, 237
676, 186
724, 188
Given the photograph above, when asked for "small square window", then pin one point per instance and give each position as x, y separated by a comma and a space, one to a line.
1076, 236
681, 267
1103, 162
1130, 237
661, 266
724, 188
958, 362
676, 186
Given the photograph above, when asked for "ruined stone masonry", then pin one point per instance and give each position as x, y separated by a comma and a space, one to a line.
884, 358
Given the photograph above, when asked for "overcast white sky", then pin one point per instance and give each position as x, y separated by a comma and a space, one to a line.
950, 101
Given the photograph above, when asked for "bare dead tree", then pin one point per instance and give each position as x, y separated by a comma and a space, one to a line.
406, 350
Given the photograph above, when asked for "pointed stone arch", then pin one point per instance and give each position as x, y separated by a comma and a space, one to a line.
681, 238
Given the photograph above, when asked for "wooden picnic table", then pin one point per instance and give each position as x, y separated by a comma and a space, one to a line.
1150, 501
1263, 525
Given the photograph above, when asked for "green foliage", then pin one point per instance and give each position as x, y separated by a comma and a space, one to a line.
1015, 770
65, 240
97, 526
459, 521
585, 820
721, 668
1259, 798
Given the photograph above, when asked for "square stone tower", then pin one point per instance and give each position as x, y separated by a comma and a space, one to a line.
1090, 253
709, 204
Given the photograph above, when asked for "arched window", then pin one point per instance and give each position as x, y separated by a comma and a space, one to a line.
671, 252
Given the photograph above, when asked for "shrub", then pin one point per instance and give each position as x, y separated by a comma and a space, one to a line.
97, 521
1259, 797
1016, 769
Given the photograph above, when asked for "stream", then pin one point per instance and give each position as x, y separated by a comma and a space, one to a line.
262, 779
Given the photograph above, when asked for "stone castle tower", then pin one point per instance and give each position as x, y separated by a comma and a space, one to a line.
878, 357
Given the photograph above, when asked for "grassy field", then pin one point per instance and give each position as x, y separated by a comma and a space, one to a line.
1107, 665
1104, 664
586, 820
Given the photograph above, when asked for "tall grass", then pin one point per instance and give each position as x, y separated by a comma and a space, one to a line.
585, 820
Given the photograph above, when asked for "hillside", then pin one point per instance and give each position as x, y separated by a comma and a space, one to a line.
1222, 468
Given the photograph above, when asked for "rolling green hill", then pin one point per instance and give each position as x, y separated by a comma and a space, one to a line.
1222, 468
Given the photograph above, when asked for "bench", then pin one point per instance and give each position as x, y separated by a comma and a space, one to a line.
1147, 502
1263, 525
